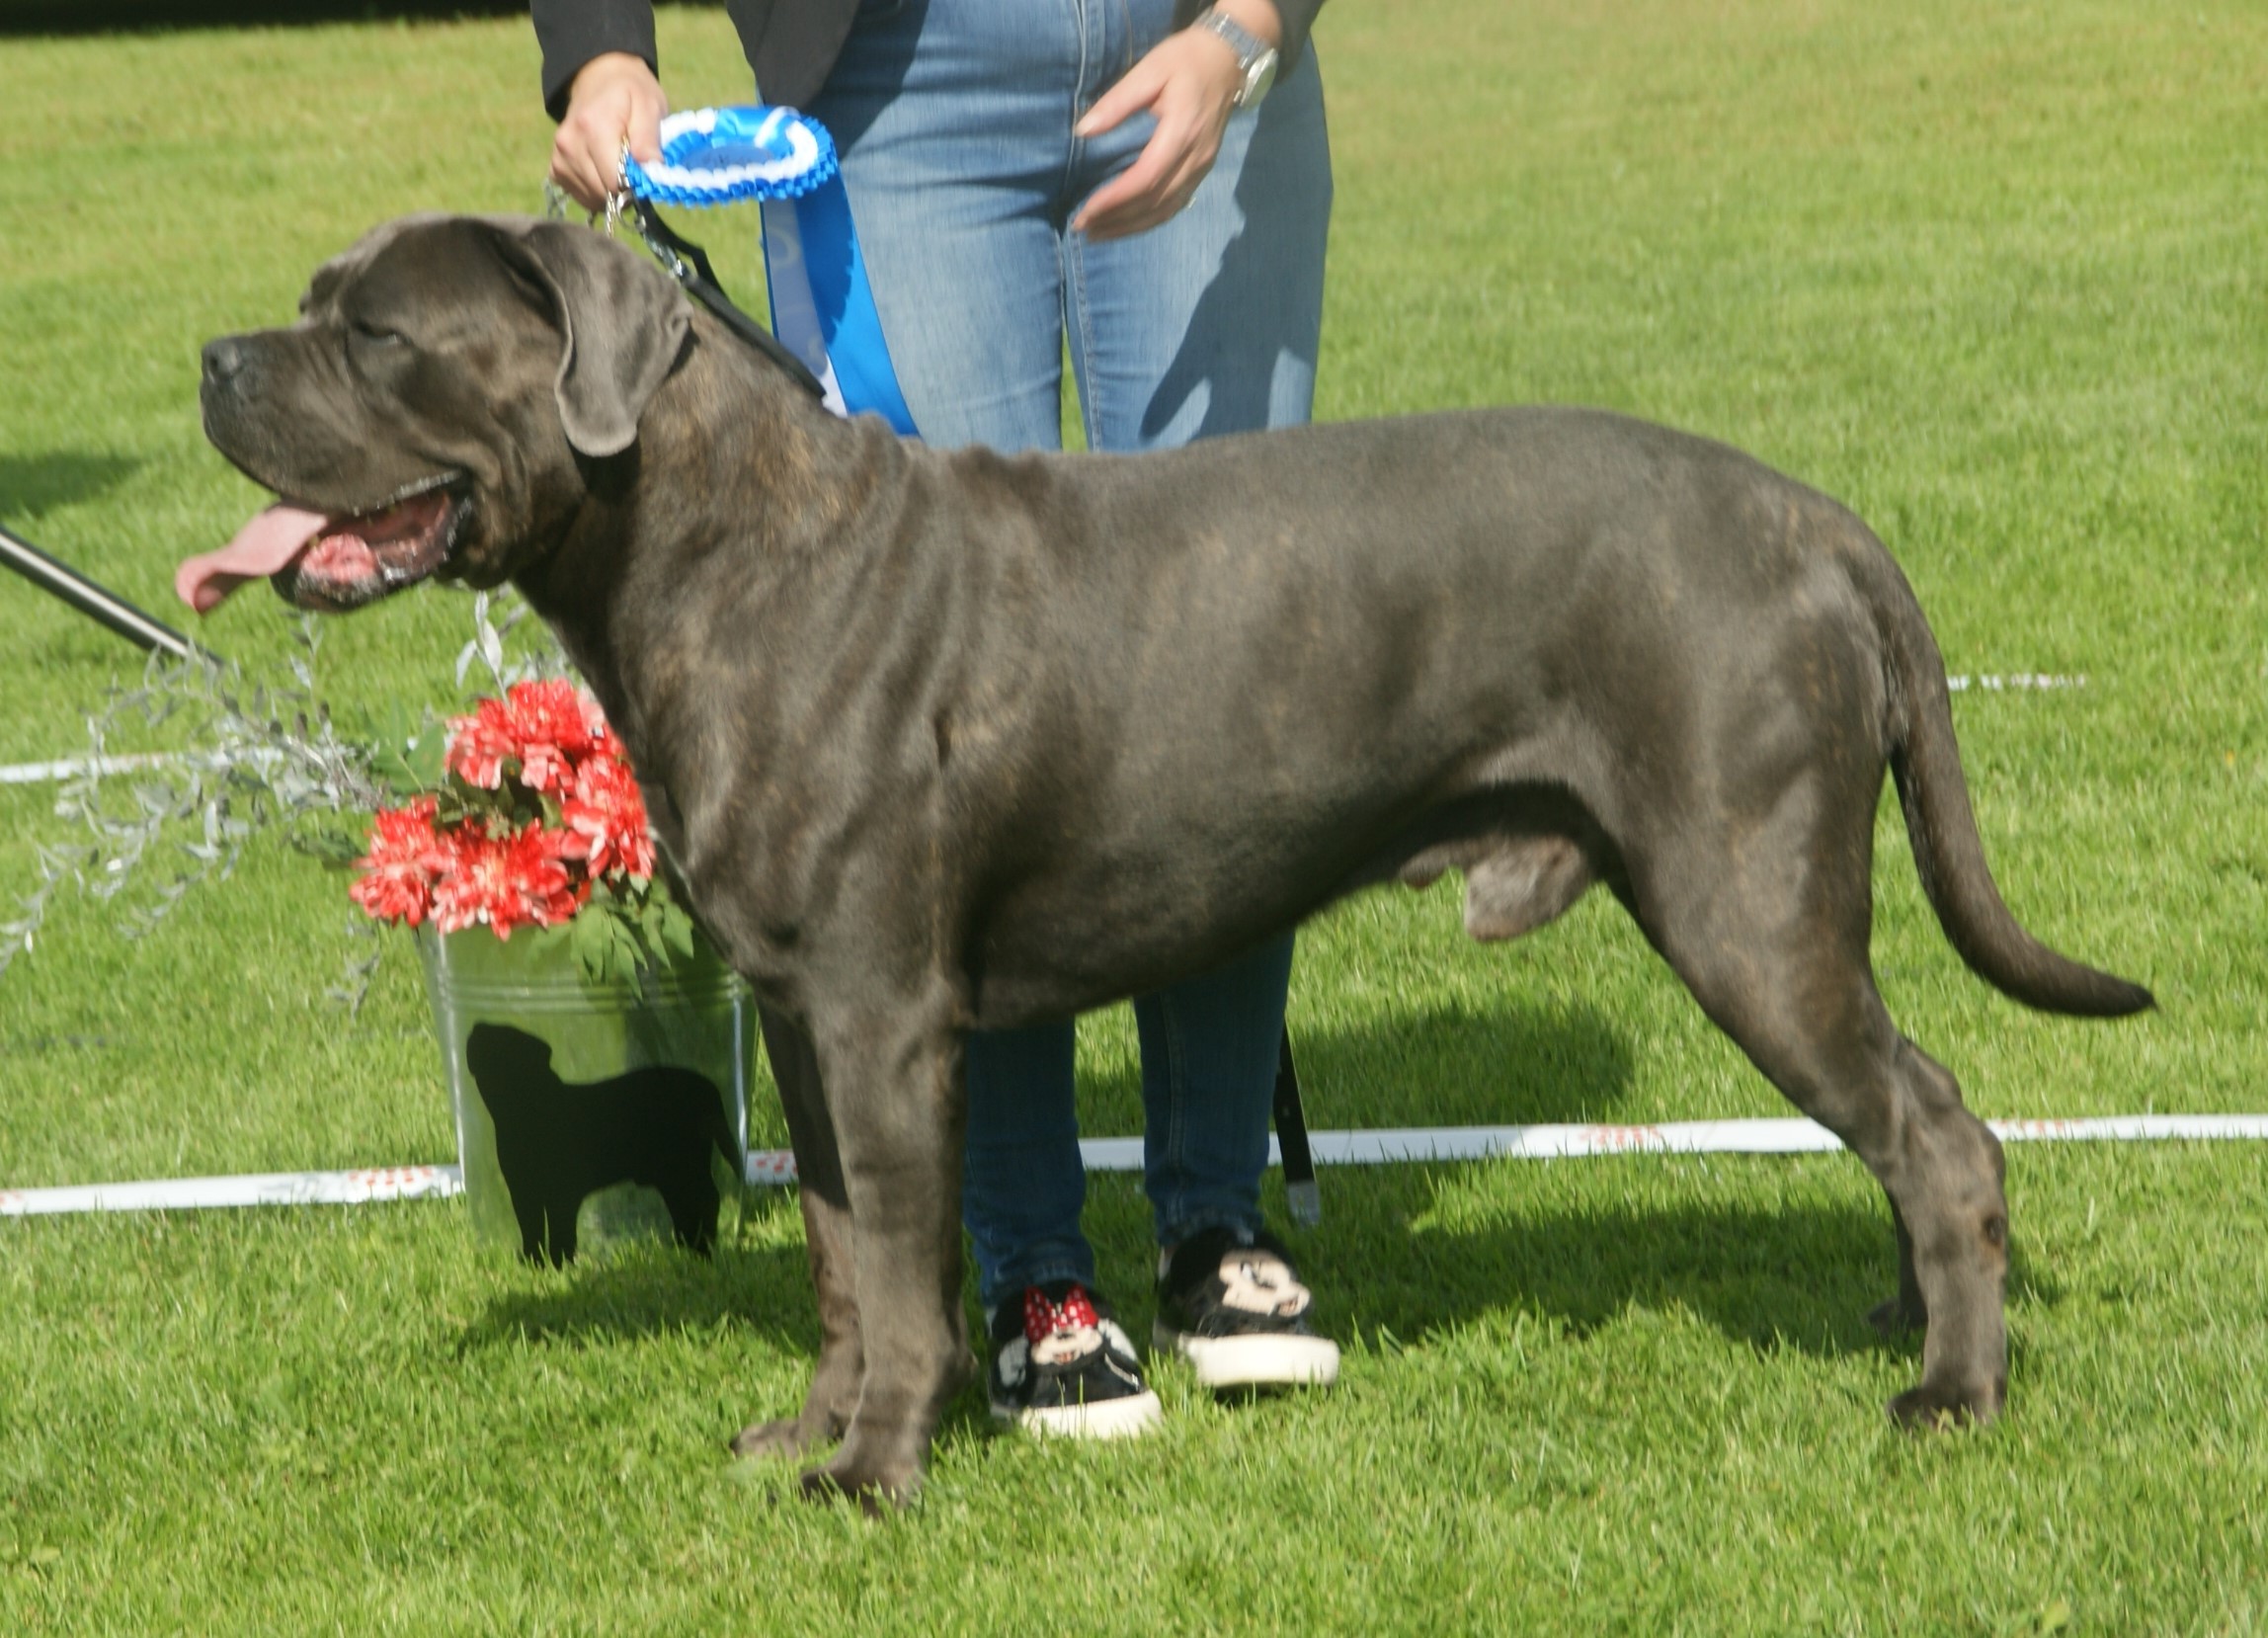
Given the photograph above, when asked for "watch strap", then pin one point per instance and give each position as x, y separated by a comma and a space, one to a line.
1256, 58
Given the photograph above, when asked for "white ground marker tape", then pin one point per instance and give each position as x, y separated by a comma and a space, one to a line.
1124, 1154
390, 1182
40, 773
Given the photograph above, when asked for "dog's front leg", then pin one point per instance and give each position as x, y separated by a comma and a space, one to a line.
893, 1083
826, 1207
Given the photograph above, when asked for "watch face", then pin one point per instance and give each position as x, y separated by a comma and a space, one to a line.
1257, 78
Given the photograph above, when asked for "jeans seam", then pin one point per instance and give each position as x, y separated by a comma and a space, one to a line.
1076, 147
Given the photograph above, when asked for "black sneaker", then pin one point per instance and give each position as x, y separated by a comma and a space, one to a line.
1232, 1305
1061, 1364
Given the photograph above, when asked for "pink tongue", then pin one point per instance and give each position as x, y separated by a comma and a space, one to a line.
260, 548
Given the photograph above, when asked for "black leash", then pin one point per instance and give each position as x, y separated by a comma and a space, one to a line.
689, 265
1300, 1192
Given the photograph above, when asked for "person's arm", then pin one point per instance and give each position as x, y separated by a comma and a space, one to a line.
1188, 82
599, 84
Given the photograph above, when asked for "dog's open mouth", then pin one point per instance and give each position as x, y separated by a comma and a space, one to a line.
330, 560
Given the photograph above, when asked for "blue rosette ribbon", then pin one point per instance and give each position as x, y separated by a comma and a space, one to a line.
822, 306
717, 155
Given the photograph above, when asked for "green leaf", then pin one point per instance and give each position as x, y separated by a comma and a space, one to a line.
587, 938
622, 951
677, 928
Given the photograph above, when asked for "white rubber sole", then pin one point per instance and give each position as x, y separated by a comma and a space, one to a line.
1255, 1361
1108, 1419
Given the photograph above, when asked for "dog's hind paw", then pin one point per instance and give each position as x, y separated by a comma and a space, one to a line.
1929, 1408
875, 1492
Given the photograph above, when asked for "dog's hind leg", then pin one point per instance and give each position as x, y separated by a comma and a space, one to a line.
826, 1207
1770, 933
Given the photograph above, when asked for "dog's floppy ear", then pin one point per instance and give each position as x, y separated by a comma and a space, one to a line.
621, 324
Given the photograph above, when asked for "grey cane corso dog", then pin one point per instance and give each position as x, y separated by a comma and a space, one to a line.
943, 740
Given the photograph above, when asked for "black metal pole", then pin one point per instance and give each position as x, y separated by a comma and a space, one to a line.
91, 599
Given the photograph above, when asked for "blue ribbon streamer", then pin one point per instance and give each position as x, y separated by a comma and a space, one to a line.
823, 307
821, 304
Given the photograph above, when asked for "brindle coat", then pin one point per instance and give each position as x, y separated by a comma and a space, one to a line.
946, 740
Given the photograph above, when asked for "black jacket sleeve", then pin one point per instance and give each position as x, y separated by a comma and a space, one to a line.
573, 32
791, 44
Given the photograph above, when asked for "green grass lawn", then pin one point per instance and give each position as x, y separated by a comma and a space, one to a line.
1998, 277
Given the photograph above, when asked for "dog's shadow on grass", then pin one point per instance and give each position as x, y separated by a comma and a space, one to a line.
1389, 1260
1398, 1259
1765, 1274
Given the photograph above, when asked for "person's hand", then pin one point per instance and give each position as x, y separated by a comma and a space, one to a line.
1188, 81
614, 95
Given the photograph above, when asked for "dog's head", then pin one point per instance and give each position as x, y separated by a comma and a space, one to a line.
426, 414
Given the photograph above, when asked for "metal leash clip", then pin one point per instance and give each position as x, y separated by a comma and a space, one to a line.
618, 201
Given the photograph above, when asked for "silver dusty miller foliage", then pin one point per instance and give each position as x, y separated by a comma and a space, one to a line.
255, 755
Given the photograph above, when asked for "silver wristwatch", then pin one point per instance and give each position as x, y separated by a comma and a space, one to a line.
1255, 60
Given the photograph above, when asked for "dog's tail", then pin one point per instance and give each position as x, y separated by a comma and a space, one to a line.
1942, 827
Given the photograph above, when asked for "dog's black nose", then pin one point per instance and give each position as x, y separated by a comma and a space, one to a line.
223, 359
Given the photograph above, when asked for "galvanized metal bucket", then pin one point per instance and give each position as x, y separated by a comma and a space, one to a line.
589, 1114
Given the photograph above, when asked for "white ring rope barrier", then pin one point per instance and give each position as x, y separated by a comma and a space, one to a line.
1415, 1145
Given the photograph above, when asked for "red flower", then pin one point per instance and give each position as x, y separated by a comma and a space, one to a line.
606, 821
546, 737
504, 881
546, 727
479, 744
556, 725
405, 858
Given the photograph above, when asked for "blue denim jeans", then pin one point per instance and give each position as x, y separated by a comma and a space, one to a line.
953, 121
